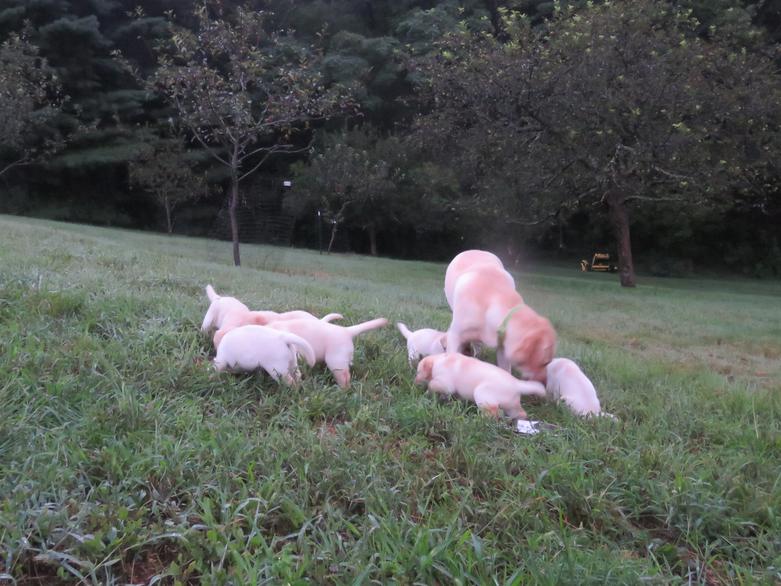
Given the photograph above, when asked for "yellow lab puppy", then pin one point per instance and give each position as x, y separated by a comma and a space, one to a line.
332, 344
227, 313
565, 382
221, 310
423, 342
490, 387
249, 348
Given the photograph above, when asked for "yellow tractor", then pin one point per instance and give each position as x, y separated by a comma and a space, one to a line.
600, 262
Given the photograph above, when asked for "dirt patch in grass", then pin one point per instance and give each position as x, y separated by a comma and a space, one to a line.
144, 565
39, 573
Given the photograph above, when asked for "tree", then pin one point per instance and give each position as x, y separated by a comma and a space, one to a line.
355, 180
29, 99
165, 170
243, 92
614, 105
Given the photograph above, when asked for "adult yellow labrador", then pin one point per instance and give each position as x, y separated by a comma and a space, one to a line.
487, 309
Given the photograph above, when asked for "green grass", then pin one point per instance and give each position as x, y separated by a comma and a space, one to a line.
123, 456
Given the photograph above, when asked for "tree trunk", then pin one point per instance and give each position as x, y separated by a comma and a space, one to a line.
372, 239
169, 223
619, 218
334, 228
234, 204
496, 20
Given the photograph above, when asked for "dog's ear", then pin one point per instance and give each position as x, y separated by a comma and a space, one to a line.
536, 350
425, 367
259, 319
428, 367
443, 341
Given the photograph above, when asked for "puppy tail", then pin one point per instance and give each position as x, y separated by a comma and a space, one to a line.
366, 326
404, 330
211, 293
530, 387
331, 317
208, 320
301, 345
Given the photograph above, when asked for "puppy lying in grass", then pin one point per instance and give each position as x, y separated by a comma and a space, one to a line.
332, 344
248, 348
227, 313
565, 382
423, 342
489, 386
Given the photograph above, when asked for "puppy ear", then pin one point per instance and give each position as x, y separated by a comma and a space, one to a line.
425, 367
537, 348
258, 319
545, 348
524, 353
443, 341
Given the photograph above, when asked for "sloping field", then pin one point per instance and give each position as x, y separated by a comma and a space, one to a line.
124, 458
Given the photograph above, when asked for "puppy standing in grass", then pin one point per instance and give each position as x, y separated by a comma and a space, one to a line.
222, 310
565, 382
332, 344
262, 318
227, 313
423, 342
488, 309
490, 387
248, 348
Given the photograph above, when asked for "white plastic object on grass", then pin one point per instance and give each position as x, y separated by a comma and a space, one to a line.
526, 427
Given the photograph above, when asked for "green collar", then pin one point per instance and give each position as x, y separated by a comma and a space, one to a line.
502, 331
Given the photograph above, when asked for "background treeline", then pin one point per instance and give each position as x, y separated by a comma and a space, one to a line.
517, 125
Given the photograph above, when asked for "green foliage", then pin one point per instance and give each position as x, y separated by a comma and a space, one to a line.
101, 147
353, 180
621, 102
164, 169
374, 68
242, 92
320, 16
29, 101
367, 46
361, 179
345, 69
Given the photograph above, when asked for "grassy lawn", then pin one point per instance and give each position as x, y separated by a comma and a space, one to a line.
123, 456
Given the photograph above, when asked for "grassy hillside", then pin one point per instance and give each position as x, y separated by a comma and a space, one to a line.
123, 456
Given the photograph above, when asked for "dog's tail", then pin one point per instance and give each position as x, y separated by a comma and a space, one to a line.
208, 320
531, 387
331, 317
404, 330
302, 345
366, 326
211, 293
